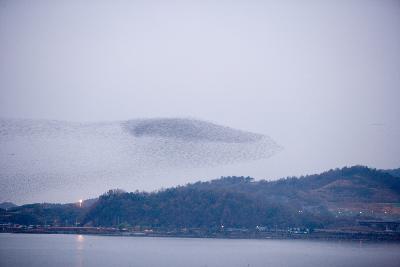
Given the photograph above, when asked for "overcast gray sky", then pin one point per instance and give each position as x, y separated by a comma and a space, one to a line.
322, 78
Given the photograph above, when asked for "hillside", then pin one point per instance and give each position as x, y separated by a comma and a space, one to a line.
7, 205
335, 198
394, 172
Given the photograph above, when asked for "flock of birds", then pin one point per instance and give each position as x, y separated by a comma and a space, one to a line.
49, 156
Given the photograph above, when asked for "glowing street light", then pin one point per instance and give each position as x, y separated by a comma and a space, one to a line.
80, 202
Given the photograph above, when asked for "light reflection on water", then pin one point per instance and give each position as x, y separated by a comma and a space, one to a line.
85, 250
80, 240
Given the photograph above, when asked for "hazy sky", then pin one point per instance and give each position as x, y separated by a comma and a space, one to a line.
322, 78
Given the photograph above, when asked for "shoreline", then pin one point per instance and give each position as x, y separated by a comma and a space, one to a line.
322, 235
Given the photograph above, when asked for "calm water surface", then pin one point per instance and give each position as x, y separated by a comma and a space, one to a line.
82, 250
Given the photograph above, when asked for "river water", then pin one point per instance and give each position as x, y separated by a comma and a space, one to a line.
85, 250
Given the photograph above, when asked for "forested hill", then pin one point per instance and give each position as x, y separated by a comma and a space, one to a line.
354, 184
334, 198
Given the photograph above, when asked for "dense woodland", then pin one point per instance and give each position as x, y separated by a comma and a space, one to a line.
238, 202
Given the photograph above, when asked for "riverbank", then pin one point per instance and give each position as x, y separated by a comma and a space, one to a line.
317, 234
